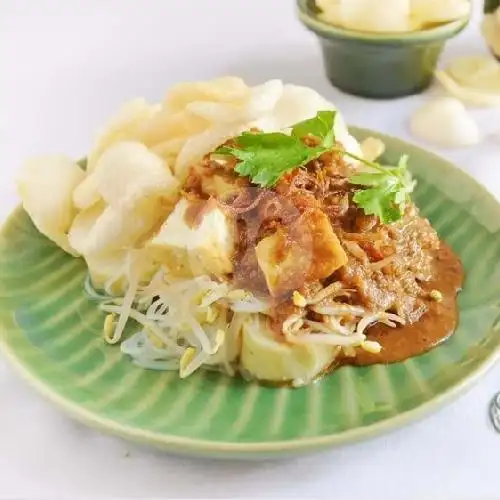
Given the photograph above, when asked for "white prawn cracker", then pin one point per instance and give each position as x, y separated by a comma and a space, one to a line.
445, 122
52, 214
431, 12
394, 16
474, 80
468, 95
379, 16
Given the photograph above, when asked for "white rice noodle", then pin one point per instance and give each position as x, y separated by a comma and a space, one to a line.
146, 355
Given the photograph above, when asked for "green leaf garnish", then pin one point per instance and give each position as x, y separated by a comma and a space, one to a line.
266, 157
321, 127
389, 190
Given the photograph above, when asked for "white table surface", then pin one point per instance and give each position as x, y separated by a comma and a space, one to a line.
65, 66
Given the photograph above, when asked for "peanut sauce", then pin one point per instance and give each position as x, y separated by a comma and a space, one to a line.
435, 326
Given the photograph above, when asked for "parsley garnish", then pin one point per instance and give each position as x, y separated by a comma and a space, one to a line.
266, 157
388, 192
321, 127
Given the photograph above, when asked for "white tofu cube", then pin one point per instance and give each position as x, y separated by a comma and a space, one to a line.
192, 249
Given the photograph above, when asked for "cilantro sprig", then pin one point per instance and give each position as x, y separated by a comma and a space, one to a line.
387, 190
266, 157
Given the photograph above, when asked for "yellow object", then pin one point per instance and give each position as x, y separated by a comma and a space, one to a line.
186, 359
267, 359
298, 299
436, 295
371, 346
219, 339
372, 148
138, 190
109, 328
86, 194
490, 29
391, 16
191, 251
468, 95
212, 314
125, 126
51, 213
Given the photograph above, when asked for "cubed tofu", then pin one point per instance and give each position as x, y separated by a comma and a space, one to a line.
309, 250
267, 359
186, 249
283, 263
328, 254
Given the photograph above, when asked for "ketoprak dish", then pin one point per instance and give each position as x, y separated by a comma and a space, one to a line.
244, 230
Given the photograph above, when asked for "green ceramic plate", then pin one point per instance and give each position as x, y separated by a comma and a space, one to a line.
52, 334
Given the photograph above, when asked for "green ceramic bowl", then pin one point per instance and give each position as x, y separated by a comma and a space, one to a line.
491, 6
378, 65
52, 333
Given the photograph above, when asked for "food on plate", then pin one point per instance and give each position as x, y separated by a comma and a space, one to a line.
445, 122
391, 15
372, 148
51, 213
204, 246
473, 79
267, 243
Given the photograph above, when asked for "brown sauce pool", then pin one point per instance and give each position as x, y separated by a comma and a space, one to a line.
436, 325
